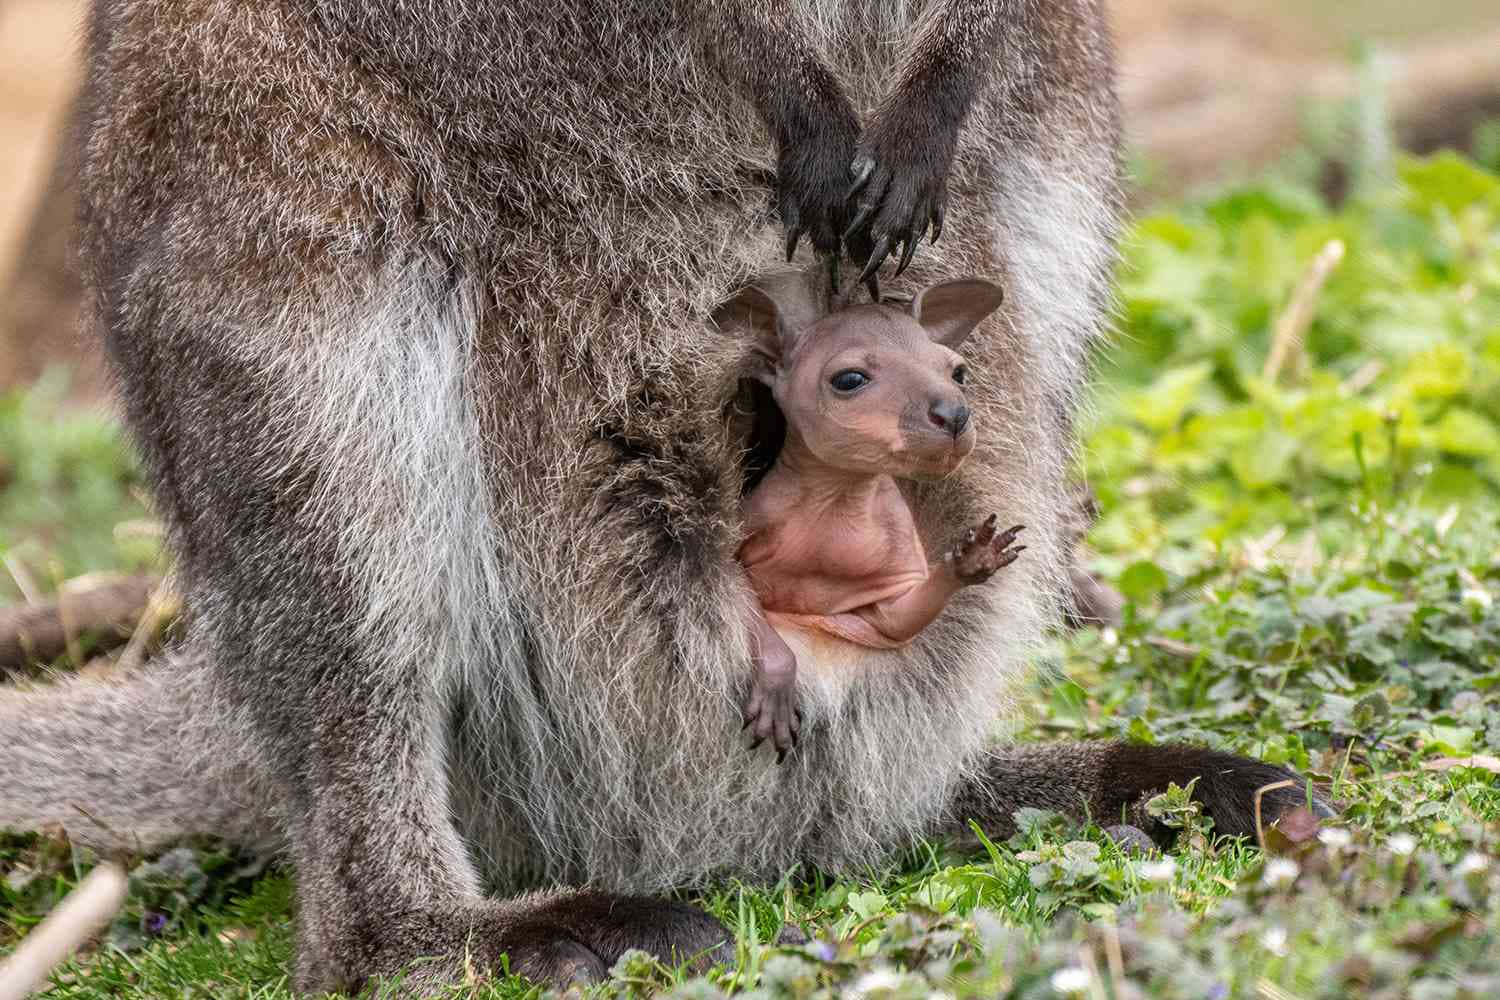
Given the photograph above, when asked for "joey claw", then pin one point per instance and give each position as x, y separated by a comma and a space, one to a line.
771, 705
1009, 536
752, 711
987, 530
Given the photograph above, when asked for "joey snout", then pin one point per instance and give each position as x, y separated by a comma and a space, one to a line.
936, 436
949, 416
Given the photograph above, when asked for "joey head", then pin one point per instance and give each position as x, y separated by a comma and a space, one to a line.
871, 394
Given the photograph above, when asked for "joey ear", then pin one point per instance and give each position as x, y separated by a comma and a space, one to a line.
771, 314
752, 315
950, 310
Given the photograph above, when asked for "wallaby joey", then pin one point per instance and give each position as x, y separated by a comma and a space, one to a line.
870, 394
406, 305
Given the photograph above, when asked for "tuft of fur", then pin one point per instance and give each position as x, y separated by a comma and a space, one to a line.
406, 305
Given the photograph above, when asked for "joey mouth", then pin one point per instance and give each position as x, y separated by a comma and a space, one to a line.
927, 456
942, 464
931, 443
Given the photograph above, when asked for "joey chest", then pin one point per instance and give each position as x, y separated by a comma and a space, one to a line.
812, 556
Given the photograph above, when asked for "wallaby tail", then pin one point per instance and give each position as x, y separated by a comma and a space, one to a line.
133, 760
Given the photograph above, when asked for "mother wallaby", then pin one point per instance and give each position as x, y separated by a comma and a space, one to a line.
406, 303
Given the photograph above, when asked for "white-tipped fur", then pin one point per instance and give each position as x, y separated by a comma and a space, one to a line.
380, 396
1060, 250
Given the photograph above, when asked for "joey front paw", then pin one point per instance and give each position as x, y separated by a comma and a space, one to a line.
899, 188
771, 711
984, 552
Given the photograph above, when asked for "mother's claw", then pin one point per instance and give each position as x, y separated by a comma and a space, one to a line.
895, 209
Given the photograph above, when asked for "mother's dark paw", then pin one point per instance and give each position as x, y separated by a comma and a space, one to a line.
1244, 796
608, 926
899, 185
812, 176
1241, 795
559, 962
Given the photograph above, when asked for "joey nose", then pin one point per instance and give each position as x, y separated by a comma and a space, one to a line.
949, 416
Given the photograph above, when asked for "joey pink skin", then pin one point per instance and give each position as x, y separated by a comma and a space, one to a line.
871, 394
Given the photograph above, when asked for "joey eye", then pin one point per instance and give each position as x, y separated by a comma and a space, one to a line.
849, 380
960, 374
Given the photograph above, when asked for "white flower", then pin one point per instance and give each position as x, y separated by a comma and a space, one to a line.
1479, 597
1402, 843
1472, 864
1335, 837
1274, 940
1071, 979
873, 984
1109, 637
1280, 872
1159, 872
1446, 521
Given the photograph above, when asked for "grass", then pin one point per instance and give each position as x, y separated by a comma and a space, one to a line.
1312, 561
69, 493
